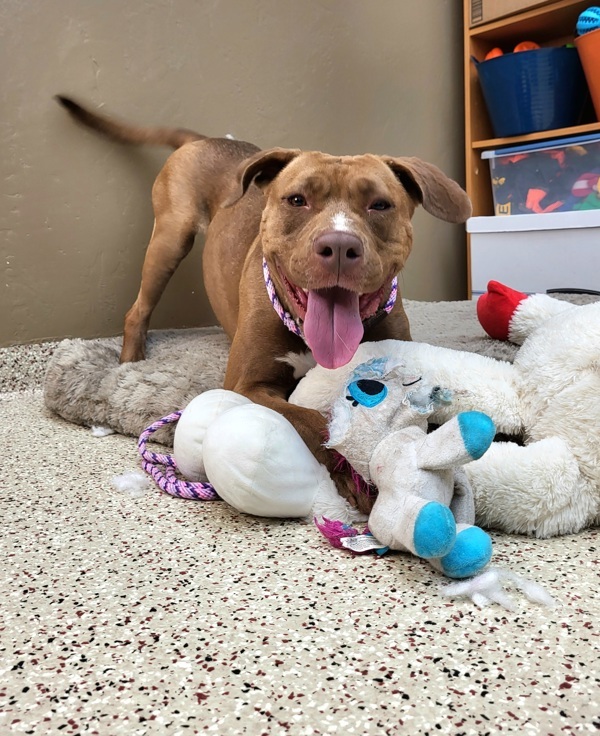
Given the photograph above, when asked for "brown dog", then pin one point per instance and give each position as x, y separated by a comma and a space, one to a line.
333, 232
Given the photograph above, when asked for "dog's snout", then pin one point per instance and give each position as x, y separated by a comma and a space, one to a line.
340, 252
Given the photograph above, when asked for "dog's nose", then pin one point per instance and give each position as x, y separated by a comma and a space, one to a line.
340, 252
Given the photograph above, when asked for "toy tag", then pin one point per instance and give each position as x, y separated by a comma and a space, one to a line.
362, 543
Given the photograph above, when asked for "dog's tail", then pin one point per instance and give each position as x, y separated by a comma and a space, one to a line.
122, 132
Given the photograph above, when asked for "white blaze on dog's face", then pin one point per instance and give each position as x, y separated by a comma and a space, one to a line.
336, 230
341, 223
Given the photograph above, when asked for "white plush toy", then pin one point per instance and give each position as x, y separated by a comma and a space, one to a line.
424, 503
255, 460
550, 397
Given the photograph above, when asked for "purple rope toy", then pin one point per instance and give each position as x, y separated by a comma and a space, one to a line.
162, 467
287, 318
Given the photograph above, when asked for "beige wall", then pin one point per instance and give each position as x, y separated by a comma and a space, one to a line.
345, 76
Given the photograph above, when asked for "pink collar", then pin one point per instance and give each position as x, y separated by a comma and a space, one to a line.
294, 327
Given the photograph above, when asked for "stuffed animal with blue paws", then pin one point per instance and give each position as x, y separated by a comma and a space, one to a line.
424, 503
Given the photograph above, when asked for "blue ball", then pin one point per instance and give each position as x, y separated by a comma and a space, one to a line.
589, 20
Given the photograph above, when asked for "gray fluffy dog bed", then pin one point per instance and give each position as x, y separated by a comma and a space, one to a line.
85, 383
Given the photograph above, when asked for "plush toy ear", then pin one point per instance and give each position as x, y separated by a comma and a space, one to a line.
427, 185
261, 169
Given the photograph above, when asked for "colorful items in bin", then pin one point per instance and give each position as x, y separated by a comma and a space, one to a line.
587, 188
526, 46
522, 46
589, 20
557, 177
493, 53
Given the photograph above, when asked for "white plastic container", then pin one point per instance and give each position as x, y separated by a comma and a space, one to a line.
537, 252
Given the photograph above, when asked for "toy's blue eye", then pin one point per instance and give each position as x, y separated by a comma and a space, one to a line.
367, 392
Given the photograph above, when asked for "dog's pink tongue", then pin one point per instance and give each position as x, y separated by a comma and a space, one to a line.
332, 326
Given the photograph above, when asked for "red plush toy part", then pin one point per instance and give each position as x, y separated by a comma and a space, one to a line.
496, 308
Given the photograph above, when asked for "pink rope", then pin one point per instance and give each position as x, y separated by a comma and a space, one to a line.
162, 467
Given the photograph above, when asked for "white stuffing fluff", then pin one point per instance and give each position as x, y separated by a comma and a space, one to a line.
101, 431
488, 588
133, 483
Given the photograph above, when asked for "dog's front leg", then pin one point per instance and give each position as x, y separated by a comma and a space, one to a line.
256, 371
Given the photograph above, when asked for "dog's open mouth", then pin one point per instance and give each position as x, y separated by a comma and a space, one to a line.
333, 320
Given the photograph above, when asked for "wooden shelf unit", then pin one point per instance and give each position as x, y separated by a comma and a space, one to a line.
552, 24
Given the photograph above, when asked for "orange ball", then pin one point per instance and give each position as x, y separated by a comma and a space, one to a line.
526, 46
493, 53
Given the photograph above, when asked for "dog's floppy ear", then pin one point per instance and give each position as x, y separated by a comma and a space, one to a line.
439, 195
261, 169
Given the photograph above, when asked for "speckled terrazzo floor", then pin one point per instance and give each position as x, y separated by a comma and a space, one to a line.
153, 615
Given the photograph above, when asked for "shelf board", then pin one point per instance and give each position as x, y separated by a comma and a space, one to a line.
541, 23
534, 137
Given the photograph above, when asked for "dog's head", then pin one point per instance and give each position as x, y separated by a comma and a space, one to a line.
337, 229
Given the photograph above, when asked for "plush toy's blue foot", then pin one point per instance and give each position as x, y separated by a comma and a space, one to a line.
435, 531
477, 431
471, 553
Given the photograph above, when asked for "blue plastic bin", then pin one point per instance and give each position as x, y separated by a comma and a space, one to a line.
529, 91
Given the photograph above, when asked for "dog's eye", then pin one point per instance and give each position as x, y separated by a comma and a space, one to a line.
367, 392
380, 205
297, 200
